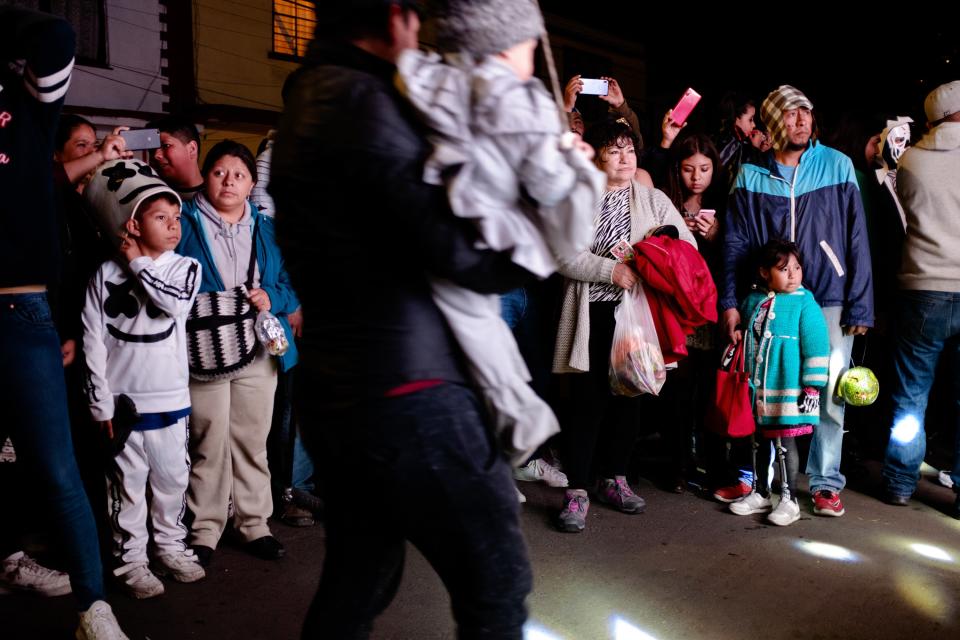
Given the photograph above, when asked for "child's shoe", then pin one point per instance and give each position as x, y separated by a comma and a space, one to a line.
751, 503
787, 512
182, 567
573, 518
732, 493
99, 623
138, 581
827, 503
617, 493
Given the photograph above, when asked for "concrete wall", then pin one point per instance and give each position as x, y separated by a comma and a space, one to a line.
132, 80
233, 41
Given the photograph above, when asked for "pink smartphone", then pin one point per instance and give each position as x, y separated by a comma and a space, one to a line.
707, 213
686, 104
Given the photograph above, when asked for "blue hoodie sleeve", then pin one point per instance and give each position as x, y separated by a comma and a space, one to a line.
858, 297
736, 243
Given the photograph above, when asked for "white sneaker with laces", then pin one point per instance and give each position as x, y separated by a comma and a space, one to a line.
751, 503
182, 567
540, 470
139, 581
787, 512
99, 623
23, 573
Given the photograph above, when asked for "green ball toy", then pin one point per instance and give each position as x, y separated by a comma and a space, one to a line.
858, 387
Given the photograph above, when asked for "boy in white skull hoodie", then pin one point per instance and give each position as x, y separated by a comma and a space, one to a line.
135, 344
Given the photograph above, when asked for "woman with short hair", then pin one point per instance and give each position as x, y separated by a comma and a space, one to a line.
233, 409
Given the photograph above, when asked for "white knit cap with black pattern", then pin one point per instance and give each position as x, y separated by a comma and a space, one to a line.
117, 189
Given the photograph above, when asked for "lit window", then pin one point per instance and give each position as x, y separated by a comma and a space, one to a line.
293, 25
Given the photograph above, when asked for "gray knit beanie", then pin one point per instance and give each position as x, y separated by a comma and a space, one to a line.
482, 27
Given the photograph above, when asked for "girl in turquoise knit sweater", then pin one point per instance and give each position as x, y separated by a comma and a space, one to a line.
787, 352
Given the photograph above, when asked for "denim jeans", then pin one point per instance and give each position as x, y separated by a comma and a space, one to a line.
290, 464
928, 324
34, 396
420, 467
513, 306
826, 445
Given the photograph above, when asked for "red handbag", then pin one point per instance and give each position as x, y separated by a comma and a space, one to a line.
731, 413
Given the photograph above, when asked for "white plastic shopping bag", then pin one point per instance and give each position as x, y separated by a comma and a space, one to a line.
636, 361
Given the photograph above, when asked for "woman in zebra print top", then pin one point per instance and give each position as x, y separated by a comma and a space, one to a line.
594, 285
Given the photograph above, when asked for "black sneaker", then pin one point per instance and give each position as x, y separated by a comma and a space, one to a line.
204, 554
265, 548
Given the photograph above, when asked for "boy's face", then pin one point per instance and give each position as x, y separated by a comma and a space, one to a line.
175, 160
159, 227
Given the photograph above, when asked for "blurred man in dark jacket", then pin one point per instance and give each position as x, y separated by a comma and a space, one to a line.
398, 436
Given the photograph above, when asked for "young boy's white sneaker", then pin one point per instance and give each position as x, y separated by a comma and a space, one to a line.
139, 581
539, 470
787, 512
98, 623
182, 567
23, 573
751, 503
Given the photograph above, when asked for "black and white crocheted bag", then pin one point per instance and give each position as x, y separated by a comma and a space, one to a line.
220, 329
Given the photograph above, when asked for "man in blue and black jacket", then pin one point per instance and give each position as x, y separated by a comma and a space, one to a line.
805, 192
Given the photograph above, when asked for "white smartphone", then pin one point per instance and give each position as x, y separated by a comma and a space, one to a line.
707, 213
595, 86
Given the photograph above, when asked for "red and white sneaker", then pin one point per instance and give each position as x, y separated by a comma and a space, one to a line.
732, 493
827, 503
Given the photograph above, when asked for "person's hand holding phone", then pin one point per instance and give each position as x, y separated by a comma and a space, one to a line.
614, 95
706, 225
571, 91
114, 146
669, 129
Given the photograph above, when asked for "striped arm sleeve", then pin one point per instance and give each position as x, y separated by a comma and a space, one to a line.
814, 345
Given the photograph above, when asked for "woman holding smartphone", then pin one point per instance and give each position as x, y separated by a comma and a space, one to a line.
696, 187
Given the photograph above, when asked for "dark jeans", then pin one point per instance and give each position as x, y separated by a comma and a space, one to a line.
34, 397
290, 465
602, 428
420, 467
928, 326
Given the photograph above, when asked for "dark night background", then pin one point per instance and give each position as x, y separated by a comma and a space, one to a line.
882, 64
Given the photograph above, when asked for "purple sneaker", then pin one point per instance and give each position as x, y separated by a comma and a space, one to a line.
618, 494
573, 518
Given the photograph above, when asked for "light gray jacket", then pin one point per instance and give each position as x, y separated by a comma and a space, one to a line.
497, 149
649, 208
928, 183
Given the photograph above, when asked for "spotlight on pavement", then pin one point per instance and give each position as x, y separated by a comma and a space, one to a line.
906, 429
828, 551
930, 551
623, 630
533, 631
924, 593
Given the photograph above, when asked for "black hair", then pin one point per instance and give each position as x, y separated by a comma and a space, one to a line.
851, 133
65, 128
732, 106
163, 195
683, 148
777, 252
180, 127
610, 132
354, 19
230, 148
